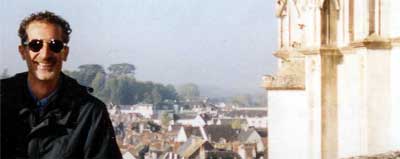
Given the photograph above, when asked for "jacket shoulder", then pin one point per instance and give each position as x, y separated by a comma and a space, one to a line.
11, 84
95, 102
93, 105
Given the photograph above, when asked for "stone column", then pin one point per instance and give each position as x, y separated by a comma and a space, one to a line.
329, 105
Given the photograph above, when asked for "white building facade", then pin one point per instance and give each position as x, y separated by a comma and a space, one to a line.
146, 110
336, 93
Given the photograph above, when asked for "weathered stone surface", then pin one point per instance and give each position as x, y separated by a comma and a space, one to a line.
388, 155
290, 75
283, 82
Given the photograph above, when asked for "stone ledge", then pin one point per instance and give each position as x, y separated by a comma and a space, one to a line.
287, 82
395, 41
388, 155
373, 41
286, 54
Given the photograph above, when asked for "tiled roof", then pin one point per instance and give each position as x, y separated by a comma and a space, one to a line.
222, 154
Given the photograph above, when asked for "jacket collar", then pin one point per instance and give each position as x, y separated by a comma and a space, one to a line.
60, 110
69, 90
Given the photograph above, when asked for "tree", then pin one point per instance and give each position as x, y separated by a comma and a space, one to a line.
122, 69
189, 91
119, 87
126, 93
99, 82
156, 97
4, 74
242, 100
236, 124
168, 92
120, 91
165, 118
88, 72
109, 92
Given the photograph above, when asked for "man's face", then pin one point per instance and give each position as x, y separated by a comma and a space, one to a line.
43, 65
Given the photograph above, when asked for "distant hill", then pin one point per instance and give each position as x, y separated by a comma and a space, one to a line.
216, 92
219, 92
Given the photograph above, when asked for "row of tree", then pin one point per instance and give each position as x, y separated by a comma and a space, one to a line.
119, 85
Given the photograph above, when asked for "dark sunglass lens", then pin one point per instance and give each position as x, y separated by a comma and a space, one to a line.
56, 45
35, 45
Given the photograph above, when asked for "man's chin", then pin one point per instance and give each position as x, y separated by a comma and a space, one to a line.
47, 76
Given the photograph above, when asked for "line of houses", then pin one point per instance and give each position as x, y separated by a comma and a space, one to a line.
194, 130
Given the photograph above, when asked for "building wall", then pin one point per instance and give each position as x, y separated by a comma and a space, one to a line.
258, 122
352, 119
395, 92
366, 111
377, 91
198, 121
289, 117
313, 93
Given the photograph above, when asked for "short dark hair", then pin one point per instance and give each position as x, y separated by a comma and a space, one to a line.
48, 17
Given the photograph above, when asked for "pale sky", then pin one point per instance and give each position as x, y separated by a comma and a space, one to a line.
218, 43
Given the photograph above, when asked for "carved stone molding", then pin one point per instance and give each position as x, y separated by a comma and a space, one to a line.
280, 8
287, 54
395, 41
287, 82
290, 76
330, 50
374, 41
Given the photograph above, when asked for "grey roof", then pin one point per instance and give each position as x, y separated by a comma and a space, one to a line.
244, 135
190, 146
185, 116
193, 131
189, 130
217, 132
246, 113
262, 132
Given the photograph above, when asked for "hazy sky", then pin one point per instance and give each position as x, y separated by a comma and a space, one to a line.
218, 43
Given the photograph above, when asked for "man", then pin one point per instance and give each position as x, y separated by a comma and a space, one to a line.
44, 113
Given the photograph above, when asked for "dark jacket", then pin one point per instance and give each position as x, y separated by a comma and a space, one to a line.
74, 125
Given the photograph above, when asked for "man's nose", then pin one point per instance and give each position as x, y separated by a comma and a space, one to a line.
45, 52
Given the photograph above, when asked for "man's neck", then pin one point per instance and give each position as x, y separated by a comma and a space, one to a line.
41, 89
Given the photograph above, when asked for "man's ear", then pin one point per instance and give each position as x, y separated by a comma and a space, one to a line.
65, 53
21, 50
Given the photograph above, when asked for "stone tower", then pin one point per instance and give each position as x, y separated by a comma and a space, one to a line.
336, 93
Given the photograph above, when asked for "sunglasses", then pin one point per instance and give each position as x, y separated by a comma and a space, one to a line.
36, 45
